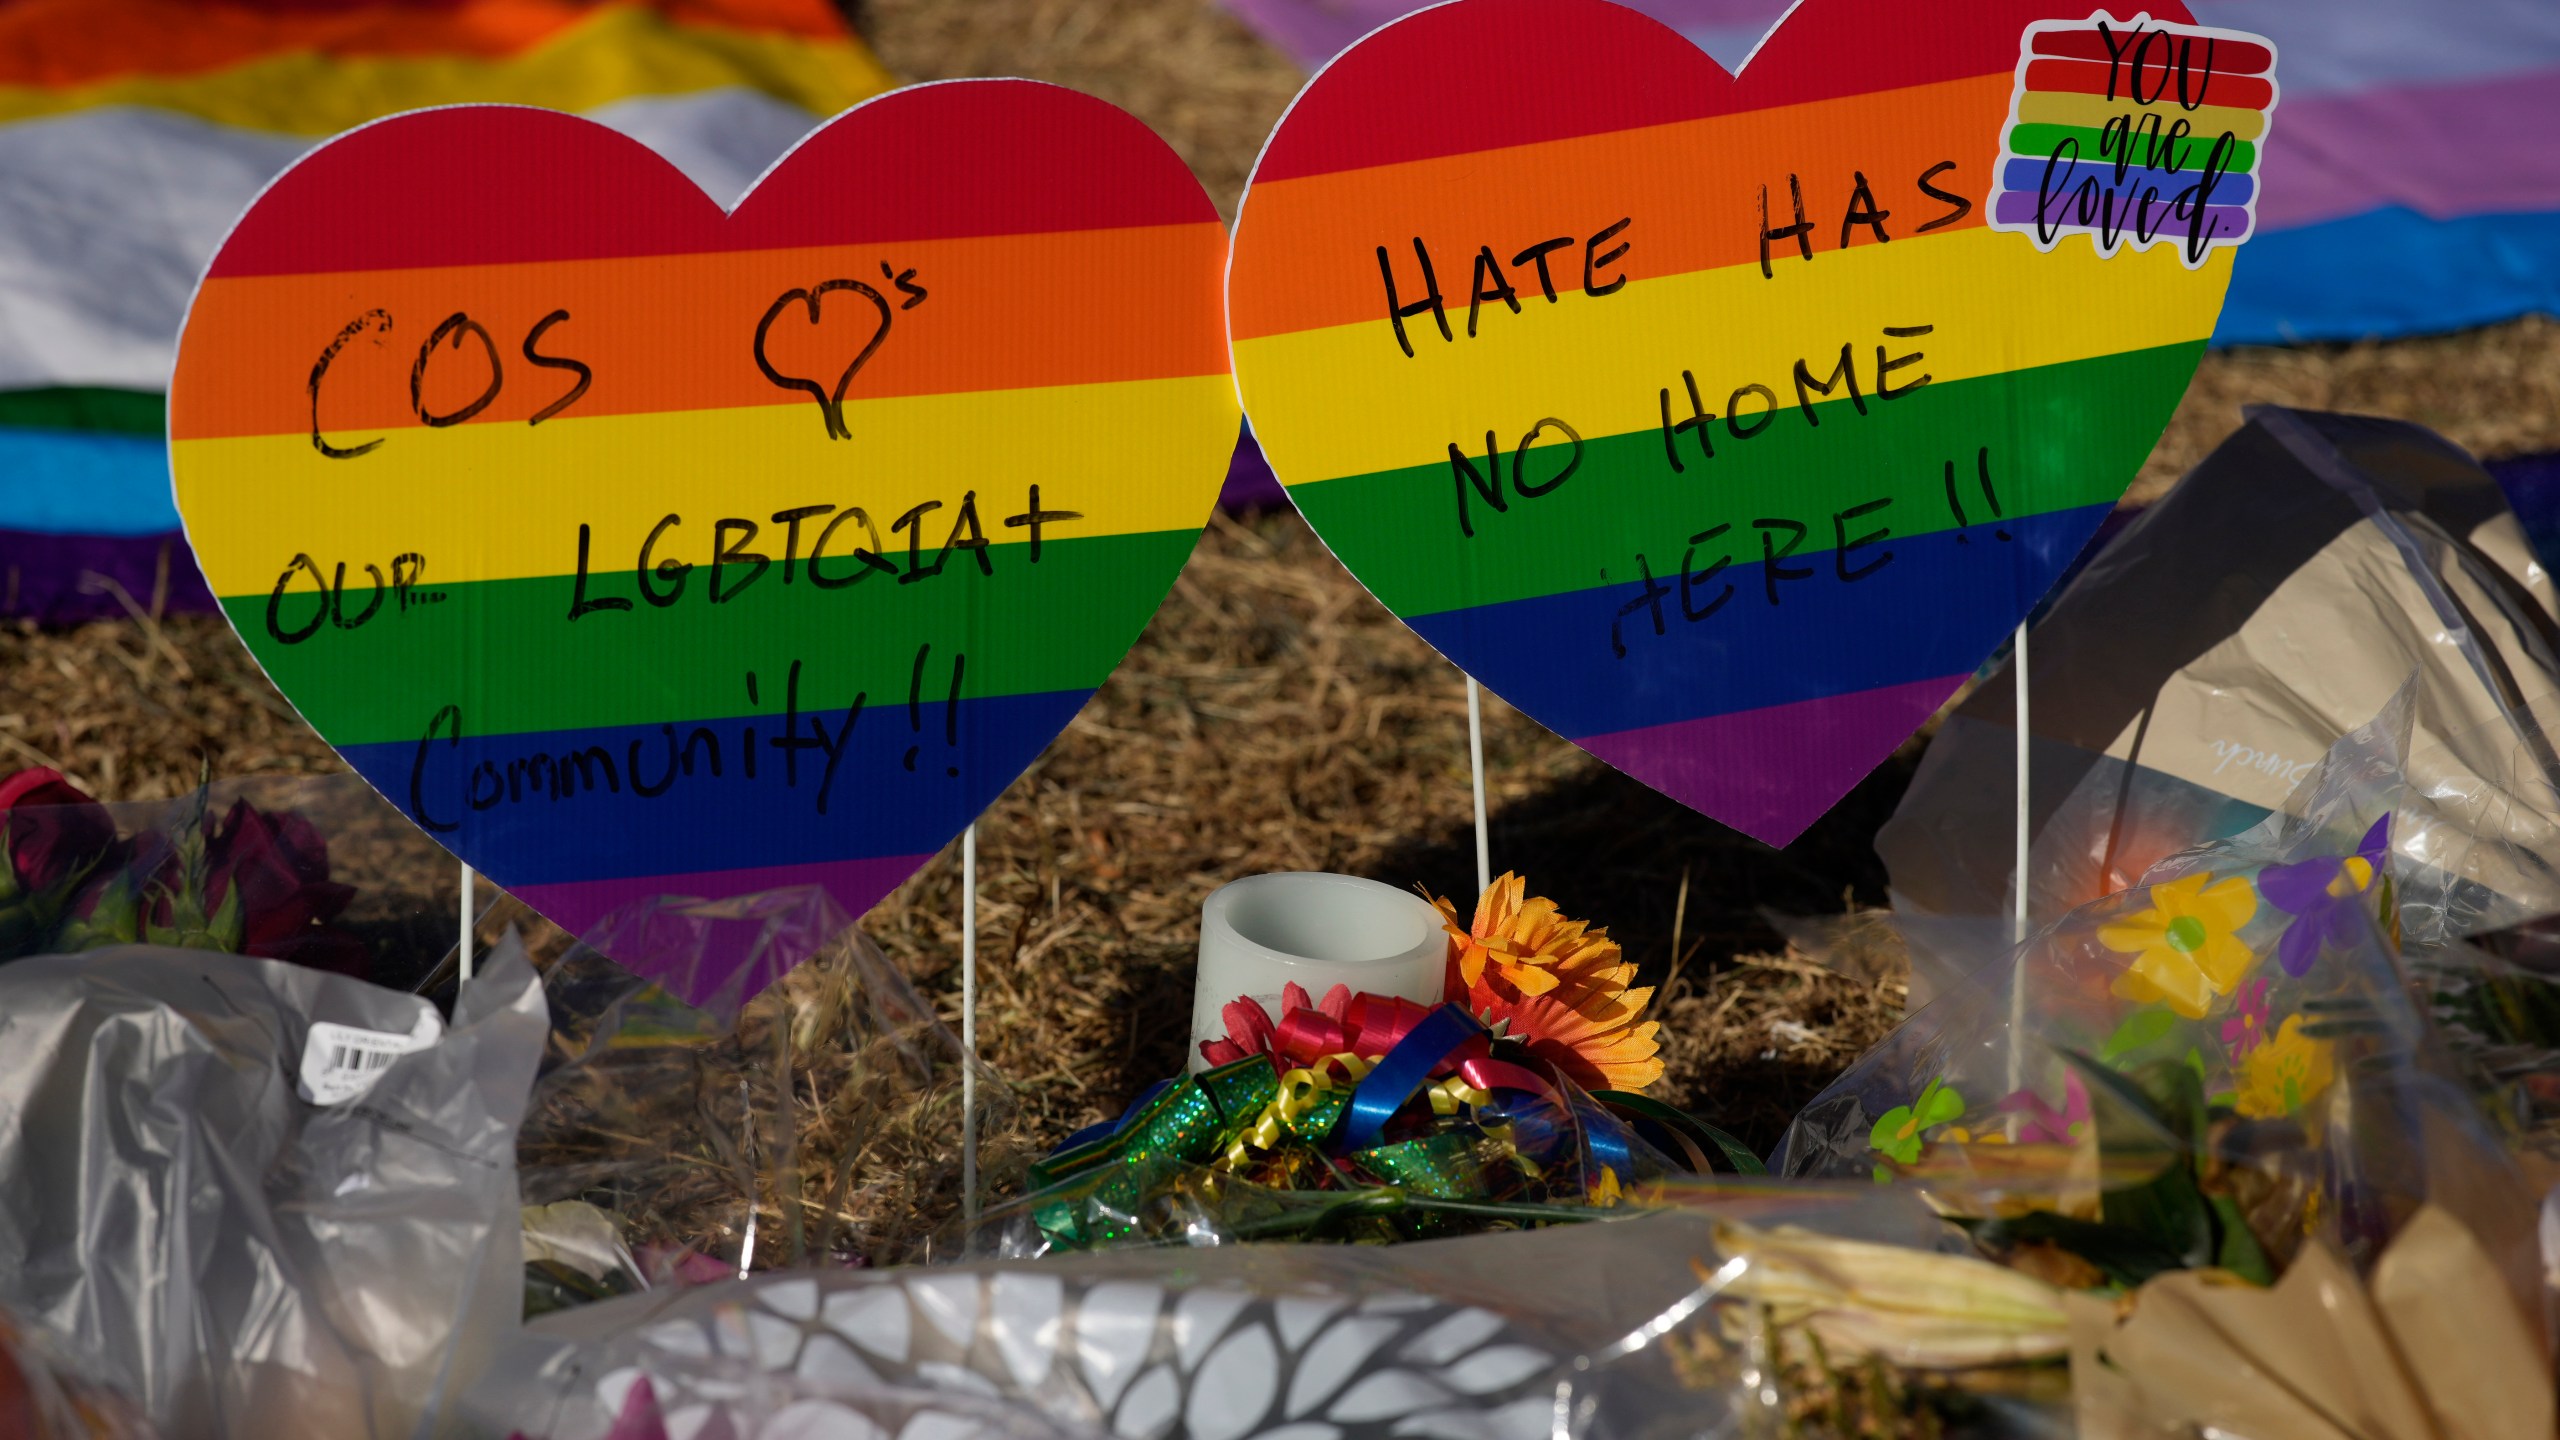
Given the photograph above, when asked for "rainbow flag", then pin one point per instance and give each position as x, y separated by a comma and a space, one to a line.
495, 572
1702, 562
2412, 188
133, 132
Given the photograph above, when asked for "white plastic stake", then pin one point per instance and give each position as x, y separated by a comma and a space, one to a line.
2018, 903
747, 1167
466, 930
2018, 882
969, 1022
1475, 762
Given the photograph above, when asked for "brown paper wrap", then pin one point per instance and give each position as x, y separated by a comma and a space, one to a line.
2433, 1347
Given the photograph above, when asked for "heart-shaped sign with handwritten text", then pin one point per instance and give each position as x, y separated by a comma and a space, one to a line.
636, 549
1725, 425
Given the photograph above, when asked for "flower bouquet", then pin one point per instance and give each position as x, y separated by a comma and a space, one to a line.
1516, 1101
312, 870
2220, 1072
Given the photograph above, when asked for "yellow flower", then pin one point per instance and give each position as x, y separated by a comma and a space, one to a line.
2286, 1073
2185, 946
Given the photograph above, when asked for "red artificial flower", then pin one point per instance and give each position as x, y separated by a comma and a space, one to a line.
1309, 1030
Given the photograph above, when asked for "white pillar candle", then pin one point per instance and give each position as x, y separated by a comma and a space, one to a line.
1265, 931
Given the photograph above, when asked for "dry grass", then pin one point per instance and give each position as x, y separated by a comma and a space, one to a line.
1273, 716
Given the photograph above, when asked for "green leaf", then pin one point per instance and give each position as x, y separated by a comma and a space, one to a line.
2154, 1118
2145, 1027
1887, 1135
2239, 1251
226, 926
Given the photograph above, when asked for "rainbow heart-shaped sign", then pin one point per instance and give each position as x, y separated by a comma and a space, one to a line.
1725, 425
636, 549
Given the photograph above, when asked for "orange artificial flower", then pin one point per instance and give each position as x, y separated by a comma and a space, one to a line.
1553, 985
1522, 939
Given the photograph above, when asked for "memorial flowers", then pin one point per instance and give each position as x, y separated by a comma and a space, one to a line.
2324, 894
1553, 984
2186, 946
2245, 1028
52, 835
1509, 1102
2285, 1074
253, 882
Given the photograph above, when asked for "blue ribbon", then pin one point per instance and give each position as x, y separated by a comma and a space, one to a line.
1609, 1139
1404, 1070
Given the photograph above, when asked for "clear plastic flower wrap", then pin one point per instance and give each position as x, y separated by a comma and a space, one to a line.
315, 870
2210, 1069
2496, 1001
2197, 668
1644, 1328
821, 1124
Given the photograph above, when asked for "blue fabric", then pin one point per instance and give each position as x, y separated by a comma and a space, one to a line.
84, 482
2390, 273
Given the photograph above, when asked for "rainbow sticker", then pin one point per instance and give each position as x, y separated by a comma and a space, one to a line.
2135, 133
1706, 419
639, 550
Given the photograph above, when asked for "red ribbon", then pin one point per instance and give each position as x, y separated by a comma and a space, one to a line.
1369, 1026
1486, 1073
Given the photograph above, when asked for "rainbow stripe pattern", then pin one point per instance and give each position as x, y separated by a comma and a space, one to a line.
1620, 477
2135, 134
2411, 188
132, 133
635, 549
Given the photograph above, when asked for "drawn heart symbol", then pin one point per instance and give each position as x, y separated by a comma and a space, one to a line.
830, 402
1701, 417
647, 622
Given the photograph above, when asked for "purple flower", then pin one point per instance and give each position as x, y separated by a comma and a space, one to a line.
2324, 895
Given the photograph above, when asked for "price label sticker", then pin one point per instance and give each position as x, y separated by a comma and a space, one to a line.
341, 1062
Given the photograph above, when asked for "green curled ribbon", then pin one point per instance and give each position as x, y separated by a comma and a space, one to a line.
1186, 1124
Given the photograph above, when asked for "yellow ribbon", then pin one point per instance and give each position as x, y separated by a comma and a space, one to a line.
1453, 1094
1299, 1090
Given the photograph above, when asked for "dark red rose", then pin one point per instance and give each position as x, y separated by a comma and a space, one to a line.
56, 833
280, 863
52, 836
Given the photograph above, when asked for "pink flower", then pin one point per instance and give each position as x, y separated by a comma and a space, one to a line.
2044, 1123
2245, 1029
